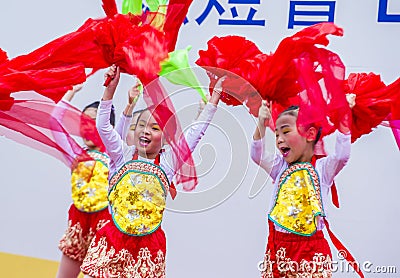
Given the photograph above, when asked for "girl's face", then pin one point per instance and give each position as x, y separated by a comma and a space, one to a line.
148, 136
91, 112
292, 145
131, 132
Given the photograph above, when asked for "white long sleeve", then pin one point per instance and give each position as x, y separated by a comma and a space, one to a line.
122, 126
60, 138
199, 127
111, 139
331, 165
327, 167
270, 162
120, 153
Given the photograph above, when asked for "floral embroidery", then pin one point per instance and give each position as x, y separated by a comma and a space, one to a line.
102, 261
75, 242
319, 267
298, 201
89, 182
137, 197
137, 203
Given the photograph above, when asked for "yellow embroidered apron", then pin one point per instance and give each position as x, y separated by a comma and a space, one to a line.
137, 197
89, 180
298, 200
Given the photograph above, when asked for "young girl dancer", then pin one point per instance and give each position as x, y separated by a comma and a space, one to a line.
133, 244
89, 185
296, 244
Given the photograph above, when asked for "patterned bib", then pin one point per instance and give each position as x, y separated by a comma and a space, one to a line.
89, 180
137, 197
298, 201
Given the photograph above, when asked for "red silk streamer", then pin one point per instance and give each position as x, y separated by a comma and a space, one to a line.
395, 119
176, 13
132, 43
322, 104
109, 7
321, 150
335, 195
47, 82
395, 125
163, 111
340, 247
38, 120
374, 101
3, 56
24, 134
273, 76
97, 44
231, 56
31, 123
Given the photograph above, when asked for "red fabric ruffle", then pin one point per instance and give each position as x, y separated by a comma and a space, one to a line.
373, 102
297, 73
322, 101
176, 13
394, 120
109, 7
3, 56
395, 126
225, 54
144, 51
137, 44
229, 56
129, 41
48, 81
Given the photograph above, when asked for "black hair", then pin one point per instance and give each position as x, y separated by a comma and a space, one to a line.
137, 112
318, 134
96, 104
293, 110
140, 112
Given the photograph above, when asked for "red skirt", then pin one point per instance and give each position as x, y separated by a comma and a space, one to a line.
291, 255
81, 229
116, 254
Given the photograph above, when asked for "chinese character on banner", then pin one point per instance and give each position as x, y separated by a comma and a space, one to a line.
310, 12
383, 15
233, 20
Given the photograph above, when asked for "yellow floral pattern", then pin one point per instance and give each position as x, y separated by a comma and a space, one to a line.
89, 181
137, 198
298, 200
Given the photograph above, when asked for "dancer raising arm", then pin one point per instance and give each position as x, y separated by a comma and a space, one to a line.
134, 244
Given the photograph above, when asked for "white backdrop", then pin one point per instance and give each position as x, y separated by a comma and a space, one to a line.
220, 230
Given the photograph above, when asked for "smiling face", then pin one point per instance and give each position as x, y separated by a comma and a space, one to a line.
292, 145
148, 136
